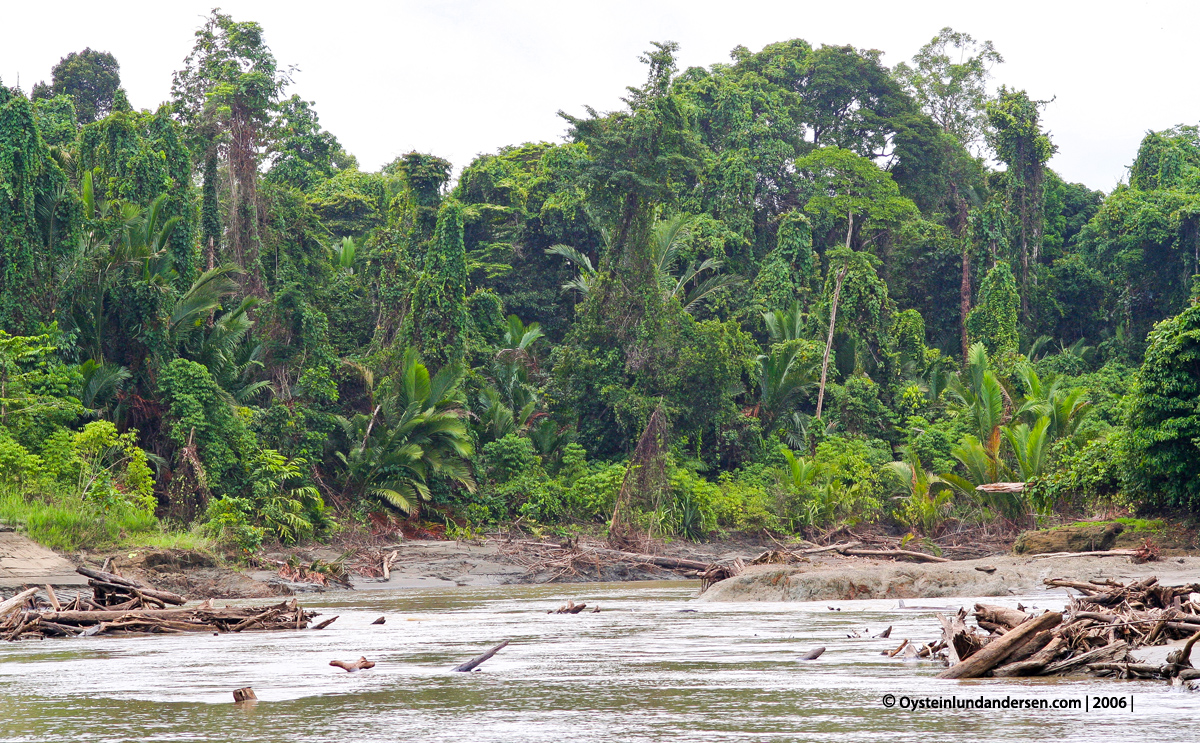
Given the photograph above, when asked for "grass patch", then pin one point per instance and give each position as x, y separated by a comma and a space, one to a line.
68, 527
169, 540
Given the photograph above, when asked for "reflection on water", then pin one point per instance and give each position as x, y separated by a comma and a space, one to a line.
641, 670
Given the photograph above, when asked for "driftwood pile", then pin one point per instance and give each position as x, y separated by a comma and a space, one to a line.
1095, 634
120, 605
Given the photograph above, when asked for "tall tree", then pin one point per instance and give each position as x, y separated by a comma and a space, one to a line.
90, 78
949, 79
226, 93
1016, 135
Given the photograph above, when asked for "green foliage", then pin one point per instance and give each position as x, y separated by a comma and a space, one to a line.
564, 292
413, 434
993, 321
56, 120
927, 498
510, 457
201, 420
283, 503
1164, 423
436, 325
949, 80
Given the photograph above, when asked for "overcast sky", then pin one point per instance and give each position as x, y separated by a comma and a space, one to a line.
461, 78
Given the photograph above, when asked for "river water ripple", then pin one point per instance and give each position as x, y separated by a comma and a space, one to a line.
651, 666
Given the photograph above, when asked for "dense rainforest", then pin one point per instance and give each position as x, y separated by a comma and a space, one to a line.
792, 291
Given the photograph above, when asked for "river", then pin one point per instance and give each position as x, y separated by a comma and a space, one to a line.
652, 666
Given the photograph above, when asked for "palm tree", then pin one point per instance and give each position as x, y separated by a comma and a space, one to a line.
783, 375
927, 497
979, 395
1066, 408
786, 325
413, 433
1030, 447
587, 272
666, 240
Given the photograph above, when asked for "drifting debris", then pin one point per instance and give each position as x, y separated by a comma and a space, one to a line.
244, 694
568, 608
351, 666
812, 654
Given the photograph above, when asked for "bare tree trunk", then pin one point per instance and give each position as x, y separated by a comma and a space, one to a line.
962, 221
837, 292
964, 296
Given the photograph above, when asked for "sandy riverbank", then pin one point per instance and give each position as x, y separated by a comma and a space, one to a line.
834, 578
443, 564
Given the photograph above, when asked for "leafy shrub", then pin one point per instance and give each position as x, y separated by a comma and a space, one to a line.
230, 520
509, 457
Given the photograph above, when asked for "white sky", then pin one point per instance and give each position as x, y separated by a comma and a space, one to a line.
461, 78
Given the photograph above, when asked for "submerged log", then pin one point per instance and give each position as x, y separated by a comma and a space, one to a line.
327, 622
478, 660
812, 654
996, 651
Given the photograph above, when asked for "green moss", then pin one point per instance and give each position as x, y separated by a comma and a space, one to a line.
1150, 525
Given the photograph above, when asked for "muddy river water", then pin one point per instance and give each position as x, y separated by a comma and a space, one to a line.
653, 665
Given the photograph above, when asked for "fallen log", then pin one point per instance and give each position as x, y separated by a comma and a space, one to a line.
16, 602
1028, 649
1111, 652
957, 638
830, 548
899, 647
662, 561
478, 660
1001, 615
327, 622
994, 653
812, 654
920, 556
351, 666
1098, 553
95, 616
161, 597
1127, 670
106, 577
1035, 663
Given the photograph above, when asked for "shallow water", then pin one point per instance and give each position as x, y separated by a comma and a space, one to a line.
643, 669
